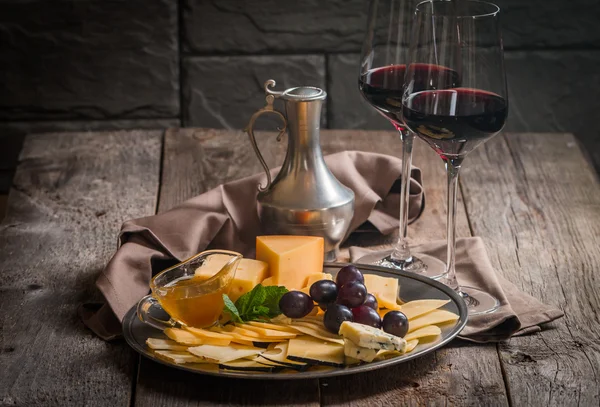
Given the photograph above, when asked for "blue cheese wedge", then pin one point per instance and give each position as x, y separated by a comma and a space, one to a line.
356, 352
372, 338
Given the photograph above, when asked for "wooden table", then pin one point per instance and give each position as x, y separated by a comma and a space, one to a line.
532, 197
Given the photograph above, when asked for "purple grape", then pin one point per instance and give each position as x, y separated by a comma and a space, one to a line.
334, 316
367, 316
296, 304
347, 274
395, 323
371, 301
352, 294
324, 291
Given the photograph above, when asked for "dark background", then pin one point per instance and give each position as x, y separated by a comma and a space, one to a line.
111, 64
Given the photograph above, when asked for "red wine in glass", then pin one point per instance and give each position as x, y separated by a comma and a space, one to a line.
455, 121
383, 87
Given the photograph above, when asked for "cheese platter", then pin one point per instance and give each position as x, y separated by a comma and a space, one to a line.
283, 348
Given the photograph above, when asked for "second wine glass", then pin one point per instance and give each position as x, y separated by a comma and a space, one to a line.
464, 36
381, 81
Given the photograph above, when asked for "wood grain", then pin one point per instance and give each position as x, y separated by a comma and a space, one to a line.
198, 159
536, 202
71, 193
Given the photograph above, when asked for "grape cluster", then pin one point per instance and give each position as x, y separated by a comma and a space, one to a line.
346, 299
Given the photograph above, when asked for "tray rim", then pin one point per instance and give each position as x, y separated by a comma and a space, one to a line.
462, 321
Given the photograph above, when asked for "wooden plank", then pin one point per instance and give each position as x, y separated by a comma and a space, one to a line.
536, 202
197, 159
71, 194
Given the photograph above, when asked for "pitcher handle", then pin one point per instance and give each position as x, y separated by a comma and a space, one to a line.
143, 313
271, 95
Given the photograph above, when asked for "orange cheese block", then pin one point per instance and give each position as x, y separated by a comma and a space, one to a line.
291, 259
249, 273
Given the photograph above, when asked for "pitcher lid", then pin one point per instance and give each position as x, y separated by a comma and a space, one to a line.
304, 94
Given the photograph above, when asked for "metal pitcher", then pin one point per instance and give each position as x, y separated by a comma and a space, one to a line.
305, 198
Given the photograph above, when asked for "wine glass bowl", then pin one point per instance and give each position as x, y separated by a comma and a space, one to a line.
463, 36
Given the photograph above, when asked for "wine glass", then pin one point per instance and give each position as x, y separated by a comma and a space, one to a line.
463, 36
380, 81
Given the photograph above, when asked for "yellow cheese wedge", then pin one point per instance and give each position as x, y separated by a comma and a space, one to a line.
249, 273
291, 259
413, 309
268, 281
385, 289
429, 330
439, 316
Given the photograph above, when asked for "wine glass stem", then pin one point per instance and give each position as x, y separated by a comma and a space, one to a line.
401, 250
452, 170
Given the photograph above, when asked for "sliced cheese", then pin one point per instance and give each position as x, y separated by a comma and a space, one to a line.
316, 332
164, 344
268, 282
316, 351
357, 352
223, 354
237, 336
267, 333
248, 274
385, 289
246, 366
439, 316
291, 259
184, 337
429, 330
278, 353
411, 345
216, 337
177, 357
369, 337
416, 308
274, 327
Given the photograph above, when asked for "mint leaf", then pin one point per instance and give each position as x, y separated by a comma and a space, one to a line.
249, 300
261, 303
230, 308
273, 295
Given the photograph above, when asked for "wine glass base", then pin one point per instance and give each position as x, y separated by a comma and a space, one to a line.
424, 265
478, 302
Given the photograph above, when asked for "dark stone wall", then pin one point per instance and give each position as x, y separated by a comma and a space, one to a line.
106, 64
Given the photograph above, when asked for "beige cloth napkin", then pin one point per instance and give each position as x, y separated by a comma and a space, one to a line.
226, 218
519, 313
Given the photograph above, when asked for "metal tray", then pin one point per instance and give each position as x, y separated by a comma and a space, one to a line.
412, 287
